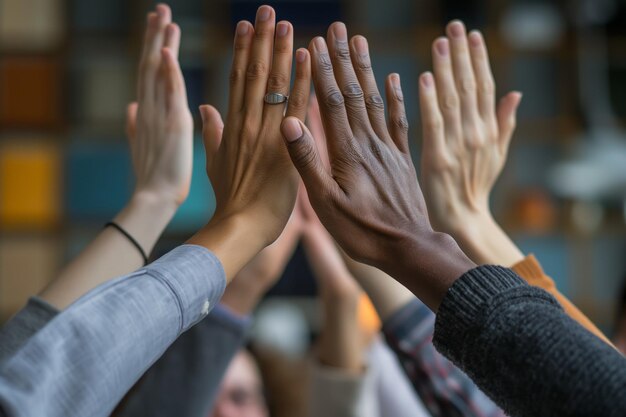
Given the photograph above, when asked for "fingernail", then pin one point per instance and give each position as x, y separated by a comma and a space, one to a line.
442, 46
360, 44
340, 32
457, 29
395, 80
292, 130
300, 55
320, 44
475, 38
264, 13
282, 28
427, 79
242, 28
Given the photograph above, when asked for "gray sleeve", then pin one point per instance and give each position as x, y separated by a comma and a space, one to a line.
85, 360
518, 345
396, 396
21, 327
186, 379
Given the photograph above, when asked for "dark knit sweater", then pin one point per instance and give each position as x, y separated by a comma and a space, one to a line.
522, 350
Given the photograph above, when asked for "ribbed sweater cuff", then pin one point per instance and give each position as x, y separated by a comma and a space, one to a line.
463, 306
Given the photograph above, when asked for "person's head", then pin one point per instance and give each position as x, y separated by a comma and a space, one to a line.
241, 392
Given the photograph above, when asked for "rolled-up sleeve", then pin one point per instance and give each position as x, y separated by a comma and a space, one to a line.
85, 359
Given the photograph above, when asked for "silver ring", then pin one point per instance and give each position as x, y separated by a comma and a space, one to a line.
275, 98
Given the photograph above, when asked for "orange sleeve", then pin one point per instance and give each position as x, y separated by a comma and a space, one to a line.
531, 271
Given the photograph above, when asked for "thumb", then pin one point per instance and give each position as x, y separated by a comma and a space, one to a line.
212, 128
306, 157
507, 116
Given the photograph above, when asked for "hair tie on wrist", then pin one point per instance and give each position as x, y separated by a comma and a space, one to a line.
130, 239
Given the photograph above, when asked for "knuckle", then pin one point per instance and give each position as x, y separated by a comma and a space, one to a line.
298, 100
236, 75
434, 126
256, 70
449, 102
467, 85
303, 156
249, 131
364, 63
324, 64
474, 139
375, 102
333, 99
353, 91
343, 53
277, 81
401, 123
486, 87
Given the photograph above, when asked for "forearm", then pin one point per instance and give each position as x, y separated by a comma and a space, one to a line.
95, 350
340, 345
111, 254
484, 241
387, 294
504, 333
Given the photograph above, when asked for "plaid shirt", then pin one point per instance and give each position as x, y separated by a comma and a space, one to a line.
445, 389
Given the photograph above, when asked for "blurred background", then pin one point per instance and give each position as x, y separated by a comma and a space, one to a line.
67, 72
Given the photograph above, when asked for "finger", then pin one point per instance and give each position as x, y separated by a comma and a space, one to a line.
280, 75
172, 38
307, 160
314, 123
259, 65
241, 56
507, 116
373, 100
463, 73
131, 120
484, 78
299, 96
346, 79
432, 120
175, 93
398, 124
334, 117
446, 89
212, 128
153, 42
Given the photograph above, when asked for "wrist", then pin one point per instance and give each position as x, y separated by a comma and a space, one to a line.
428, 265
234, 239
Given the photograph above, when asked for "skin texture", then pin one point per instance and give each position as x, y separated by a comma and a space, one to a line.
241, 392
160, 132
466, 139
255, 184
370, 200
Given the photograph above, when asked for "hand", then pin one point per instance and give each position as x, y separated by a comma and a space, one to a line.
159, 125
255, 185
465, 143
370, 200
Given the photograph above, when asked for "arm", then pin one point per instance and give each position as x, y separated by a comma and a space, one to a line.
103, 342
408, 326
453, 154
160, 132
374, 208
506, 334
186, 379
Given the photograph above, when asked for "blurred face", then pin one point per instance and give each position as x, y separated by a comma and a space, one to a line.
241, 392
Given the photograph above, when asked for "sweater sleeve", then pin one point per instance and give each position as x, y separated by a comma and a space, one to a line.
21, 327
185, 380
517, 344
531, 271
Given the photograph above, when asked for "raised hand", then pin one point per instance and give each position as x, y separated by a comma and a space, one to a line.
160, 126
254, 182
466, 138
370, 200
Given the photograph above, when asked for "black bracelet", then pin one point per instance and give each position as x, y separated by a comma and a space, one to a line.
130, 239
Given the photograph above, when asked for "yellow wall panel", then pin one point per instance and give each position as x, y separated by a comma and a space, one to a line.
27, 264
30, 185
